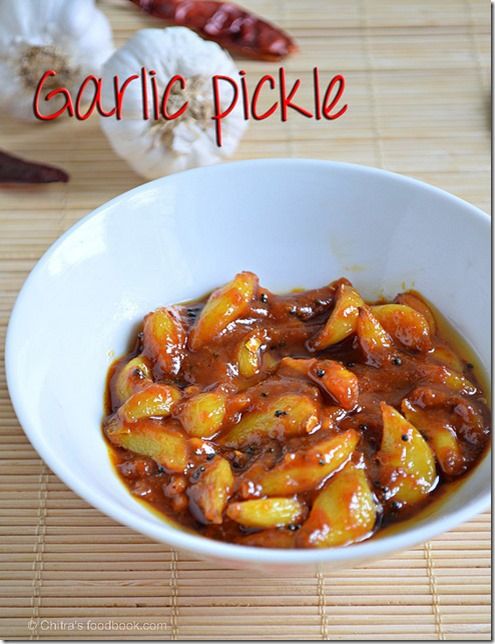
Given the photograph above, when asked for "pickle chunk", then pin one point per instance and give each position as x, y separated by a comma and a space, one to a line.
154, 400
440, 434
249, 355
204, 414
271, 538
266, 513
343, 512
342, 321
209, 496
303, 470
407, 464
164, 339
163, 442
224, 305
288, 415
131, 377
405, 325
340, 383
418, 304
374, 340
445, 356
295, 367
440, 374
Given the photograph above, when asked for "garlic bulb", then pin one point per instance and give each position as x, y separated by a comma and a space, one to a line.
72, 37
155, 147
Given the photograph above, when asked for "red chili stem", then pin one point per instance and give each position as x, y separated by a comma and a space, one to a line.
16, 170
226, 23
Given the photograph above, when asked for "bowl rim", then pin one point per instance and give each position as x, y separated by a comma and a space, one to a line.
167, 532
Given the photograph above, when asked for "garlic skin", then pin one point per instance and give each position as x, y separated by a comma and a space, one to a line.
72, 37
154, 148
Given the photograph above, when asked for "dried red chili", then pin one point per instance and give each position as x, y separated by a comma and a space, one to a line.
228, 24
16, 170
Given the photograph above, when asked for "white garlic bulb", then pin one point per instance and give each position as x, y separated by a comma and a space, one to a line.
156, 147
72, 37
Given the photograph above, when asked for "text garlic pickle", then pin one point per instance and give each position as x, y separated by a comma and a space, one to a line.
326, 102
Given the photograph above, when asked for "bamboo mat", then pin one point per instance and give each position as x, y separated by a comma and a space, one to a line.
418, 89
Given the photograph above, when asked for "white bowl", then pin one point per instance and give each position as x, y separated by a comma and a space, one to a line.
297, 224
